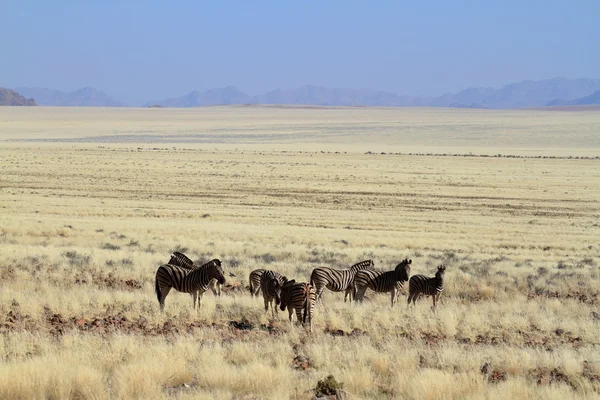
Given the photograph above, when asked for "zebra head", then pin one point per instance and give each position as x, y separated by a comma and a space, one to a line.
216, 271
404, 269
440, 273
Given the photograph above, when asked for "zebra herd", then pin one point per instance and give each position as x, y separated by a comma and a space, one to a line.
183, 275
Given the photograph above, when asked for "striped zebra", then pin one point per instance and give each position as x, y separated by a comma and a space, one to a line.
270, 284
337, 280
181, 260
254, 280
421, 284
300, 297
382, 282
195, 281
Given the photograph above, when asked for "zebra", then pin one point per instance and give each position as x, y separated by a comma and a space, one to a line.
301, 297
383, 282
195, 281
421, 284
270, 284
254, 280
337, 280
181, 260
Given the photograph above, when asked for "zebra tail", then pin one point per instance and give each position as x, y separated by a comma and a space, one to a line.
306, 310
157, 289
251, 288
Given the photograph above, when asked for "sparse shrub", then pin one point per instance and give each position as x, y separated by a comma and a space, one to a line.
149, 249
127, 262
328, 387
133, 243
562, 265
180, 249
267, 258
110, 246
233, 262
76, 259
588, 261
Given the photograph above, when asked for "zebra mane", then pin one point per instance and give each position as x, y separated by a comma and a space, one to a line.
216, 262
181, 260
289, 283
367, 264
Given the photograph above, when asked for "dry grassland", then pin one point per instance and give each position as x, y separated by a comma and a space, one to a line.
85, 224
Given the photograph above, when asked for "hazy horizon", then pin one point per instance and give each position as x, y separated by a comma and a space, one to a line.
145, 51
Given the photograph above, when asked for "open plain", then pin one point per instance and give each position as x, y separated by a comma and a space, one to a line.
92, 201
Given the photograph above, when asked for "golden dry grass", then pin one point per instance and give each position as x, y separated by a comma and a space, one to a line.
83, 227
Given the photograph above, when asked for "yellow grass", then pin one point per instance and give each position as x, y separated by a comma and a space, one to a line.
84, 226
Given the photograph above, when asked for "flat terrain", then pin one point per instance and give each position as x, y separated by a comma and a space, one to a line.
92, 201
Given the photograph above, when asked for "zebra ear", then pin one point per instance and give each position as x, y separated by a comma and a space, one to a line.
410, 261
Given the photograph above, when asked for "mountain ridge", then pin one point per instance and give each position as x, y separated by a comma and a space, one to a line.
84, 97
524, 94
9, 97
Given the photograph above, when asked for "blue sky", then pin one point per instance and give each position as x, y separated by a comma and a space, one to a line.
138, 51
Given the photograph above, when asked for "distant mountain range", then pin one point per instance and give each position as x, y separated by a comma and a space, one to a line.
516, 95
11, 98
86, 96
593, 98
557, 91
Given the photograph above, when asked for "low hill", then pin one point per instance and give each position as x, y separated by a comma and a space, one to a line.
593, 98
84, 97
213, 97
521, 94
9, 97
305, 95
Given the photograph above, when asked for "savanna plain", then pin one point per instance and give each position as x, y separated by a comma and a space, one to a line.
93, 201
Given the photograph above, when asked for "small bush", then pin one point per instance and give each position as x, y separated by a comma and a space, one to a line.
110, 246
127, 262
267, 258
328, 387
180, 249
76, 259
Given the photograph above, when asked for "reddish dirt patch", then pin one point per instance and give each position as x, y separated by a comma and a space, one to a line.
301, 363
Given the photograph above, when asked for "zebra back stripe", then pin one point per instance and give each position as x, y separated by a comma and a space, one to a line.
384, 281
185, 280
181, 260
336, 280
300, 297
421, 284
254, 281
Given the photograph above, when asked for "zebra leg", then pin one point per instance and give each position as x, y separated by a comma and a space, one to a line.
163, 295
194, 298
348, 293
200, 299
266, 305
393, 292
360, 293
291, 311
